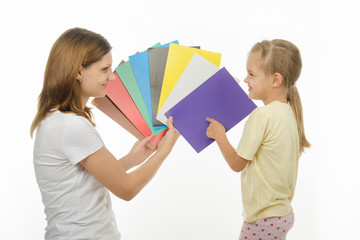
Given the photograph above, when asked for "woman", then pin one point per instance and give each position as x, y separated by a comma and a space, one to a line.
73, 167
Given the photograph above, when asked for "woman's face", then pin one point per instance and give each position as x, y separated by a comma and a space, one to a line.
95, 78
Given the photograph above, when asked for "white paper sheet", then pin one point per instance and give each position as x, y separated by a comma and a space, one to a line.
196, 72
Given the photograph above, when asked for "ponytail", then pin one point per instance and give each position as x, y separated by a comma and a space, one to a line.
293, 98
281, 56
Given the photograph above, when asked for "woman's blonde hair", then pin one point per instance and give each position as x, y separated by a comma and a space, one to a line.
283, 57
75, 48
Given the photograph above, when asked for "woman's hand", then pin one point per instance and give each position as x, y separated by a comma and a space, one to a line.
138, 153
215, 129
170, 138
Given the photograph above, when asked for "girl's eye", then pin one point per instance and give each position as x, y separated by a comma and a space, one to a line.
105, 69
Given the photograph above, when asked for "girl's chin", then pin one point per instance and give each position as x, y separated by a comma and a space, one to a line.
252, 97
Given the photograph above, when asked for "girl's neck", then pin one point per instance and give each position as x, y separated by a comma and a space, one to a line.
279, 96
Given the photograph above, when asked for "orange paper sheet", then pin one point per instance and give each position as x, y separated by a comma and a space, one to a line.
105, 105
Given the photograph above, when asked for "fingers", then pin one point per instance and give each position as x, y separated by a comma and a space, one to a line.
170, 123
210, 120
147, 139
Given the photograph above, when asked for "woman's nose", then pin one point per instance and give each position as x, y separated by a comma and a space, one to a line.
112, 76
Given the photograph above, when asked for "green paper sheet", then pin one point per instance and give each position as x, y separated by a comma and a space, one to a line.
127, 76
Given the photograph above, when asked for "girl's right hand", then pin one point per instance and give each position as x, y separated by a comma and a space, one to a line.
215, 129
170, 138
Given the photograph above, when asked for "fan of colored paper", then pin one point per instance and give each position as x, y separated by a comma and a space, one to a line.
174, 80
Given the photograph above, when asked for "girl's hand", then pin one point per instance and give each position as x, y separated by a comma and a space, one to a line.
170, 138
139, 152
215, 129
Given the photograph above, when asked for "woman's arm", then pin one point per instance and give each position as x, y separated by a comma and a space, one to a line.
112, 172
216, 131
137, 155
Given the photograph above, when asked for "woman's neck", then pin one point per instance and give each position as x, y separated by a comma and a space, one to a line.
84, 100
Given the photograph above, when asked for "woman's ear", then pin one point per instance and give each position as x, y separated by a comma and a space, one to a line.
277, 79
79, 75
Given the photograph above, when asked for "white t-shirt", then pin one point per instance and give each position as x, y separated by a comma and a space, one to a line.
77, 206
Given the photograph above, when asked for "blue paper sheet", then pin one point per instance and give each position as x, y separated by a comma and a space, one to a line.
140, 65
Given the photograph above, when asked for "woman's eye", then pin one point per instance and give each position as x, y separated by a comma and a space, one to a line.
105, 69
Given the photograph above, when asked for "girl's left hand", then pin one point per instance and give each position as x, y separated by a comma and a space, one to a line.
215, 129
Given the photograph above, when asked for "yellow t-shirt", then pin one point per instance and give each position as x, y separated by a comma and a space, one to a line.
270, 142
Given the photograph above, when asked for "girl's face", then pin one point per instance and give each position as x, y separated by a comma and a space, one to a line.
258, 82
95, 78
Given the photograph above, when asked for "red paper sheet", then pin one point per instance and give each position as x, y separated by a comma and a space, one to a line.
118, 94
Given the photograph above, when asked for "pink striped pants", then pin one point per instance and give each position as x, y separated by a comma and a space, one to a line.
273, 228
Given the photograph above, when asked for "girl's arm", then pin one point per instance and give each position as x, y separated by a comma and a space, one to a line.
216, 131
112, 172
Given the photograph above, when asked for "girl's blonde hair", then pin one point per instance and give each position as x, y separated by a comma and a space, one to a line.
76, 47
283, 57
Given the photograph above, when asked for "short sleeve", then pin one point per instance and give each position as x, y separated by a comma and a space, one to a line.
253, 134
80, 139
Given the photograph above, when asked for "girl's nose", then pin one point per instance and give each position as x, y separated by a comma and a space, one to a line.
246, 79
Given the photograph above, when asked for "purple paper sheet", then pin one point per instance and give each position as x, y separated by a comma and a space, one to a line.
221, 98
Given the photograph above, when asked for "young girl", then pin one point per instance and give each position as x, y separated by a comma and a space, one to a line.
272, 141
73, 167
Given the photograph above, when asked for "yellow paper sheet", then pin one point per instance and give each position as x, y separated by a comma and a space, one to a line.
178, 58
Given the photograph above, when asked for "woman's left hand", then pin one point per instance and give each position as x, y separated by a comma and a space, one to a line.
168, 141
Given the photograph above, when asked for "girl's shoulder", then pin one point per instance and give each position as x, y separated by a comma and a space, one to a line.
258, 112
270, 111
273, 108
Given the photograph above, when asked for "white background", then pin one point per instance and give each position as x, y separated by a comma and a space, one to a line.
193, 196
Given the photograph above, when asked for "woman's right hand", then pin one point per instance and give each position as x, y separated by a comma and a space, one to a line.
112, 173
138, 153
168, 141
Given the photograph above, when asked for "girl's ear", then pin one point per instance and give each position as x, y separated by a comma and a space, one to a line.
277, 79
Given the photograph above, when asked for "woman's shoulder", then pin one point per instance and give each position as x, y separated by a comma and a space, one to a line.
67, 116
58, 119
